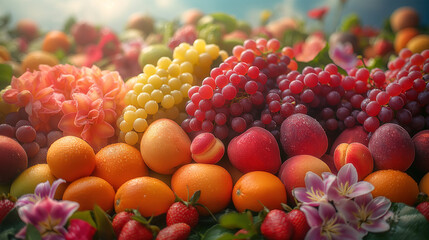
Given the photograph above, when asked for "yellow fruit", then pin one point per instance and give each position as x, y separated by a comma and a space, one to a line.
418, 43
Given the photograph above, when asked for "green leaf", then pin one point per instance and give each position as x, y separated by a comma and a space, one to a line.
32, 233
406, 223
292, 36
6, 73
236, 220
84, 215
217, 232
11, 225
104, 225
321, 60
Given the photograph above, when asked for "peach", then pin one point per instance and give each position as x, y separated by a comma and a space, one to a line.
84, 33
141, 22
206, 148
418, 43
404, 17
421, 145
349, 135
27, 28
293, 170
301, 134
403, 37
392, 148
255, 150
356, 154
165, 146
13, 159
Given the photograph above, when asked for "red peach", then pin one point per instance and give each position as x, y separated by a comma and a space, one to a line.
293, 170
392, 148
349, 135
301, 134
84, 33
13, 159
356, 154
255, 150
27, 28
206, 148
421, 145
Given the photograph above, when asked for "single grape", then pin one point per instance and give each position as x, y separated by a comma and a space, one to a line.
31, 148
7, 130
53, 136
238, 124
25, 134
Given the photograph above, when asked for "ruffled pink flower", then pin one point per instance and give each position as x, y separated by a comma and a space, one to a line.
107, 47
308, 50
318, 13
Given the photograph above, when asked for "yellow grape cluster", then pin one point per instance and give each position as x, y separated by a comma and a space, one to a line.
5, 108
161, 91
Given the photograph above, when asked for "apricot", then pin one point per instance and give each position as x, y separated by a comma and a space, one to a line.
418, 43
421, 145
356, 154
301, 134
293, 170
349, 135
403, 37
404, 17
206, 148
255, 150
165, 146
392, 148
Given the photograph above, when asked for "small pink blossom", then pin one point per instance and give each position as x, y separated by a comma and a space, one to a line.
343, 56
318, 13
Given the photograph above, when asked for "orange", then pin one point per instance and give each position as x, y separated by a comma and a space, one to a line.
118, 163
257, 189
394, 185
32, 60
149, 195
214, 182
424, 184
90, 191
56, 40
70, 158
403, 37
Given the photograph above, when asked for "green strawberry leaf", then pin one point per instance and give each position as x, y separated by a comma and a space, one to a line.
104, 225
406, 223
11, 224
6, 73
32, 233
235, 220
84, 215
217, 232
321, 60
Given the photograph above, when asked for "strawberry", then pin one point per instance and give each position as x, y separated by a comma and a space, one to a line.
120, 220
177, 231
276, 226
299, 223
134, 230
6, 205
184, 211
424, 209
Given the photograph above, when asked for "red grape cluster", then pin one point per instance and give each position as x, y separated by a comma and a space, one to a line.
35, 143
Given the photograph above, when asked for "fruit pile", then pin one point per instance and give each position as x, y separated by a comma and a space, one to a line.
215, 138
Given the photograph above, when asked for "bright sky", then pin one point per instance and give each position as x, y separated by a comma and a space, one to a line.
51, 14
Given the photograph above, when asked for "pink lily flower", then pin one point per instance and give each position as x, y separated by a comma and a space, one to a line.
315, 191
42, 190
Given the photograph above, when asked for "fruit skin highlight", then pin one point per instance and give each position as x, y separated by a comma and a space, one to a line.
255, 150
165, 146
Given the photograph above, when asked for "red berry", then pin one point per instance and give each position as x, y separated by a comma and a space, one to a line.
424, 209
120, 220
6, 205
180, 213
177, 231
134, 230
276, 226
299, 223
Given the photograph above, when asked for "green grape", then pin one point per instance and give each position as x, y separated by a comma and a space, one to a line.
172, 113
191, 55
125, 126
141, 113
142, 78
174, 70
165, 89
149, 69
186, 67
121, 137
148, 88
174, 83
160, 114
151, 107
186, 78
130, 116
163, 62
140, 125
138, 87
179, 53
119, 120
213, 50
155, 81
143, 98
128, 99
157, 95
205, 60
185, 88
129, 108
200, 45
131, 138
167, 101
161, 72
177, 95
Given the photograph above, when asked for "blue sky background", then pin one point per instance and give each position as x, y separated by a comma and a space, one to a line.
51, 14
